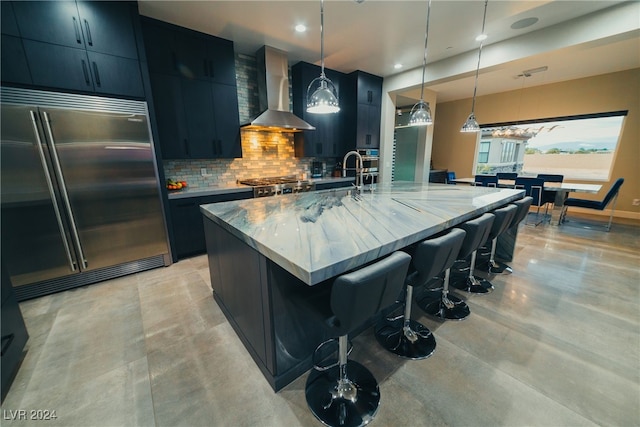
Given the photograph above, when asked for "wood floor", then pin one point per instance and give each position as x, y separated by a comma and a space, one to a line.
556, 344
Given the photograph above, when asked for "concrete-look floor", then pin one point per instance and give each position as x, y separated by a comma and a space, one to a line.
556, 344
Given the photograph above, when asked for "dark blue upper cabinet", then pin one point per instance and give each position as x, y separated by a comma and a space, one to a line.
76, 46
107, 27
9, 24
104, 27
55, 22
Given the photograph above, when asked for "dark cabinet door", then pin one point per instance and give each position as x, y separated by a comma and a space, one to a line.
9, 24
169, 111
107, 27
159, 45
191, 56
54, 22
188, 231
116, 75
222, 68
368, 126
225, 107
58, 66
14, 61
369, 89
199, 115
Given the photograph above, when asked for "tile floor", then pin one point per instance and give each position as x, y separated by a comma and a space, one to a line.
556, 344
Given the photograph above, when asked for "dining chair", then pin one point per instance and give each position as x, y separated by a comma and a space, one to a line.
612, 195
507, 175
549, 197
486, 181
533, 187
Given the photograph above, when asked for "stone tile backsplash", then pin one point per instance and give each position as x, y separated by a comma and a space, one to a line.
263, 153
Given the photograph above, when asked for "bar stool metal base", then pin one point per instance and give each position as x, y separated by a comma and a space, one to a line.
496, 267
350, 404
453, 308
416, 343
473, 285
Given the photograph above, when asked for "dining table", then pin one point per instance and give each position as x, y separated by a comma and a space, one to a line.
561, 190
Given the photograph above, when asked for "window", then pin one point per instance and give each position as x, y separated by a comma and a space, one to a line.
508, 151
578, 147
483, 152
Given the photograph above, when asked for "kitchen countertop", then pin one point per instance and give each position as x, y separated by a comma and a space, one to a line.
318, 235
234, 188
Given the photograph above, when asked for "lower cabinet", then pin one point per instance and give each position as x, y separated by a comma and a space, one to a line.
186, 219
332, 184
14, 334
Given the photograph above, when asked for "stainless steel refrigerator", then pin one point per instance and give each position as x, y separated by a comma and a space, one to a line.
80, 193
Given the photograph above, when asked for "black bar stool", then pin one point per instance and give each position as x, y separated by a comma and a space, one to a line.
402, 335
502, 221
346, 393
444, 306
522, 210
477, 230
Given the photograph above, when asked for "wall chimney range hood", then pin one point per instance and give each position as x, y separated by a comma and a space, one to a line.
273, 92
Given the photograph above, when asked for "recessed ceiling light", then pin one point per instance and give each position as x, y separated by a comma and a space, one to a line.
481, 37
524, 23
397, 66
301, 28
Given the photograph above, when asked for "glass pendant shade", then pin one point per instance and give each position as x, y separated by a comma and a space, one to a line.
420, 114
471, 125
322, 97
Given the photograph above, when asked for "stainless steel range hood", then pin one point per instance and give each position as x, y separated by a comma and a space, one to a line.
273, 91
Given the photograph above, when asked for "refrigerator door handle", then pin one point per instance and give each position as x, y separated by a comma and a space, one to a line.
52, 193
63, 190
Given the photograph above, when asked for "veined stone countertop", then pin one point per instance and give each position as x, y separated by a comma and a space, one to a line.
321, 234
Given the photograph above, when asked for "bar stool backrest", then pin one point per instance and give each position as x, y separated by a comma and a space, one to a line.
503, 218
478, 230
523, 206
433, 256
358, 295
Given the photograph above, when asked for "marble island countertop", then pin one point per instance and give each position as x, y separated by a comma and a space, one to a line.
318, 235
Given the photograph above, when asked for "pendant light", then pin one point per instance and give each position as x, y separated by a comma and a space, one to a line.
421, 113
322, 96
471, 125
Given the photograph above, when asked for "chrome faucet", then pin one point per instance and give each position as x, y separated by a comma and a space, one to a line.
360, 184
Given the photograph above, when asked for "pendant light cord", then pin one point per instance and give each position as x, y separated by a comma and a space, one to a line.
424, 61
322, 39
475, 86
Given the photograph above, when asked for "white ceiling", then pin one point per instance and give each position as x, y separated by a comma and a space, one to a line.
374, 35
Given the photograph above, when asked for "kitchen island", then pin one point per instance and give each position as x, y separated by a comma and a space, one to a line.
272, 260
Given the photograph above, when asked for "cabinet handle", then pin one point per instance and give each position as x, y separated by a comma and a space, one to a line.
7, 342
76, 27
369, 96
186, 146
368, 139
86, 72
204, 66
211, 74
89, 39
96, 73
